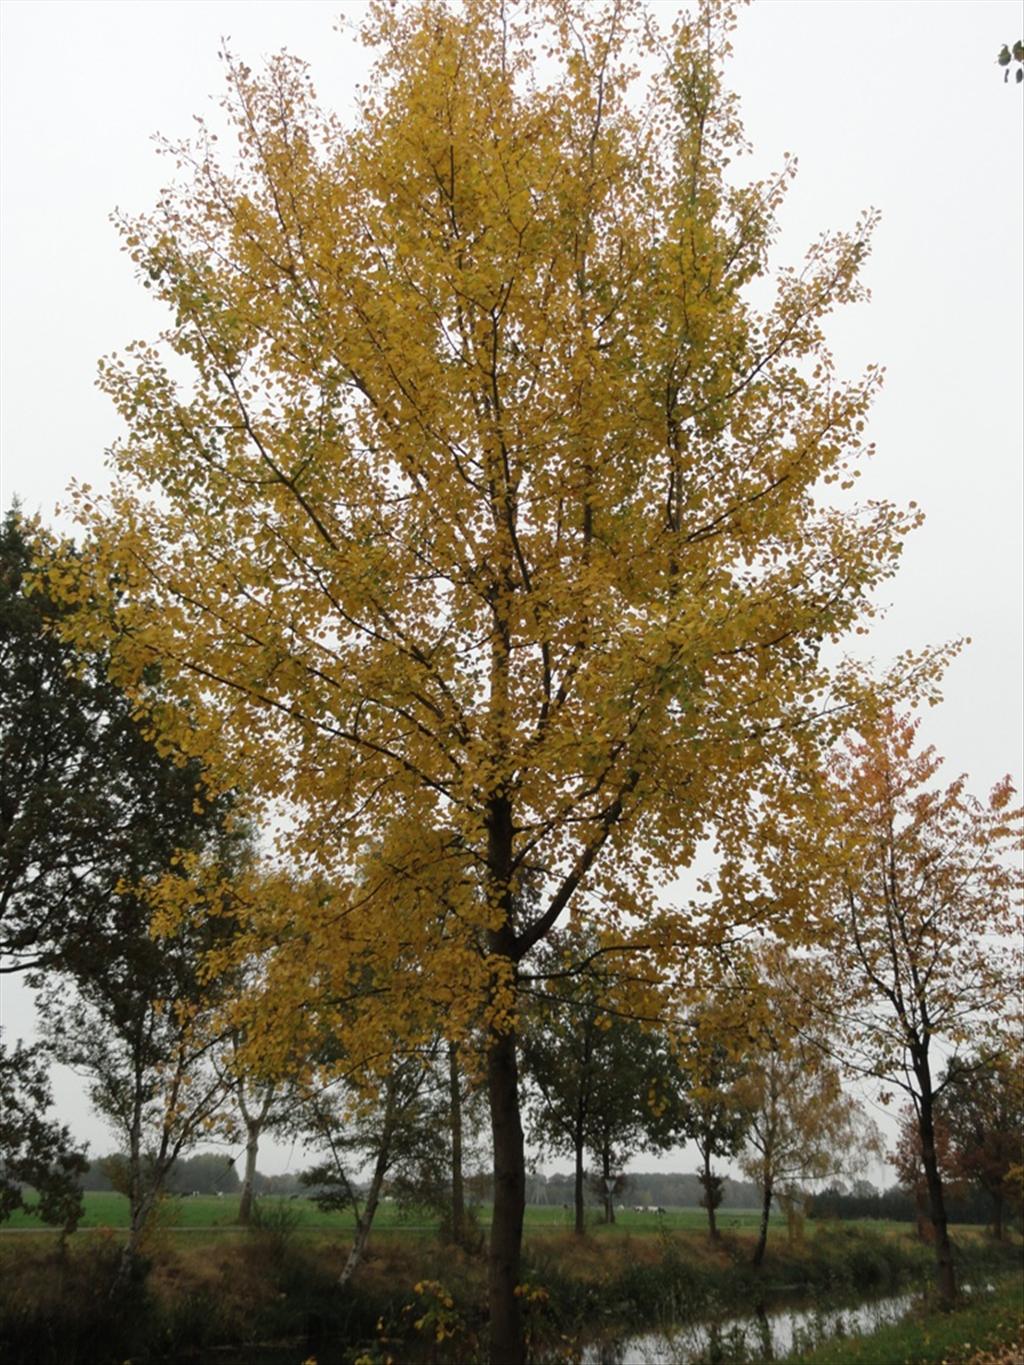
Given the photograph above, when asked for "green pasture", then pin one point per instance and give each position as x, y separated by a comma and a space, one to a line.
211, 1213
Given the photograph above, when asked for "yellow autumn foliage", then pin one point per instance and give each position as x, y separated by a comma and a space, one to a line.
489, 537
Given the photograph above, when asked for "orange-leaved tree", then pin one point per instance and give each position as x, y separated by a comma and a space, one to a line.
493, 505
924, 924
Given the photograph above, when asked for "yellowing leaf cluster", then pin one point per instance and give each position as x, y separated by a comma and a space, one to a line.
489, 539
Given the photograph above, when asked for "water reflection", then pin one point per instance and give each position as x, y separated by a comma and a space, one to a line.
764, 1332
763, 1335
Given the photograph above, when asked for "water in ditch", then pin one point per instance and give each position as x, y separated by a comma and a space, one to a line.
763, 1334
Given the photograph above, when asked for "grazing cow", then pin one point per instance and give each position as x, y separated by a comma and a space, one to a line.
639, 1208
659, 1210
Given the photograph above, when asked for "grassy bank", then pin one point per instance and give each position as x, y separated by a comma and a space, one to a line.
270, 1295
676, 1278
986, 1331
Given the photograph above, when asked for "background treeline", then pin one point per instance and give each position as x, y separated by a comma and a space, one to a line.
204, 1173
965, 1204
656, 1189
214, 1173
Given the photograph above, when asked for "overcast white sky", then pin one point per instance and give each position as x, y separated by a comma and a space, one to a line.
892, 103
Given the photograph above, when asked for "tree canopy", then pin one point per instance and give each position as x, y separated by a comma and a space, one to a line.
89, 803
493, 504
918, 890
599, 1081
35, 1152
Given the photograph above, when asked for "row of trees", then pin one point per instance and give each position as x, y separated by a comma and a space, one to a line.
747, 1070
492, 558
773, 1098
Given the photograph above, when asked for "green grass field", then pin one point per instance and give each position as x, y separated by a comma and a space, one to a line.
210, 1213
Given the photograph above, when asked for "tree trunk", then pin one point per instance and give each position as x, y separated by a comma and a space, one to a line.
762, 1236
998, 1231
924, 1224
507, 1342
946, 1272
138, 1205
708, 1183
764, 1333
138, 1218
364, 1222
713, 1233
458, 1188
579, 1222
252, 1148
508, 1345
607, 1190
135, 1191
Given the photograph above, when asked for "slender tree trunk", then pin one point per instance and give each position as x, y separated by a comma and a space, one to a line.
579, 1223
141, 1208
583, 1098
129, 1252
138, 1206
458, 1189
946, 1272
135, 1191
762, 1236
713, 1233
606, 1175
507, 1342
923, 1221
364, 1222
707, 1180
254, 1121
252, 1148
998, 1231
764, 1332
